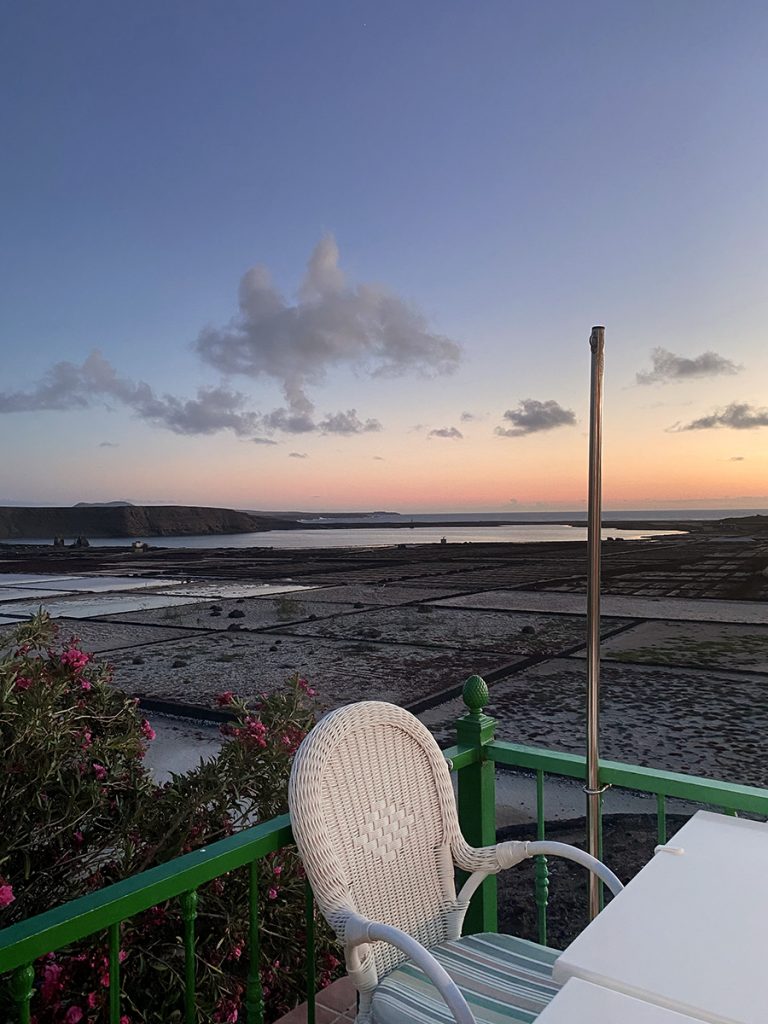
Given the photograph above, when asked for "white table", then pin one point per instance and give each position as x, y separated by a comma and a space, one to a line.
690, 931
580, 1002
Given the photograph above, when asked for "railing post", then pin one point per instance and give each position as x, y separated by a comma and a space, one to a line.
22, 987
188, 914
477, 800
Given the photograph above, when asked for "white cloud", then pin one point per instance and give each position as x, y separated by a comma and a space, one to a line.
332, 324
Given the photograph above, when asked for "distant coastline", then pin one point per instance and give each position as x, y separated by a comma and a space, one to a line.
123, 520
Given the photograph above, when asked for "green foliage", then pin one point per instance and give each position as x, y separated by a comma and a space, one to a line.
82, 811
72, 781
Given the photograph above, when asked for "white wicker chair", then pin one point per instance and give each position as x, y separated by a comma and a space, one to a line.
375, 821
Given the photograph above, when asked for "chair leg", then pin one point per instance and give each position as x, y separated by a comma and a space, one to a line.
364, 1008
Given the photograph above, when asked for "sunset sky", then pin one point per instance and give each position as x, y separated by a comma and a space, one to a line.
347, 255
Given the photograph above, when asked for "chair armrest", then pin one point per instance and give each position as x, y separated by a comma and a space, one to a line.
360, 931
508, 854
544, 848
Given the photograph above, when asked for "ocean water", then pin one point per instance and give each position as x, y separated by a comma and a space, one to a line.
379, 530
574, 515
384, 536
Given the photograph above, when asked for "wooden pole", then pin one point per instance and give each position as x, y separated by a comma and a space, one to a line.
594, 534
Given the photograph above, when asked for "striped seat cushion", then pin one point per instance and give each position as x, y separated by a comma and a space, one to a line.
501, 977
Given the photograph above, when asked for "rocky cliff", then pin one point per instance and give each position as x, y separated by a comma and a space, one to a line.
129, 521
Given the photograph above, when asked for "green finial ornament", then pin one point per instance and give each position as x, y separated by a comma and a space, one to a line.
475, 694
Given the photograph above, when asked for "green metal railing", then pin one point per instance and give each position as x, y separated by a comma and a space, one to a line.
477, 803
475, 759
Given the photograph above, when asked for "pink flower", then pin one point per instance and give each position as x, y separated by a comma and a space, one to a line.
237, 952
147, 730
22, 683
125, 1019
85, 685
277, 870
74, 1015
304, 685
225, 698
99, 771
78, 838
256, 730
52, 982
75, 659
226, 1012
86, 740
91, 1000
272, 894
6, 894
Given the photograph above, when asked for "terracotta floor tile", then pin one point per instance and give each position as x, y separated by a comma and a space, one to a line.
339, 996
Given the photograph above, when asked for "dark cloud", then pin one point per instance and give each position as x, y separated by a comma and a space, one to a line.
532, 416
263, 440
451, 432
332, 324
468, 417
669, 367
298, 455
736, 458
737, 416
347, 423
108, 444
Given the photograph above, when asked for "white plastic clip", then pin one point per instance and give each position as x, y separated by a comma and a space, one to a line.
678, 851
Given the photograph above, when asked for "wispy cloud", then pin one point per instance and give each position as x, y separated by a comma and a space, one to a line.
332, 324
450, 432
69, 386
108, 444
347, 423
532, 416
737, 416
736, 458
668, 367
379, 458
288, 422
298, 455
468, 417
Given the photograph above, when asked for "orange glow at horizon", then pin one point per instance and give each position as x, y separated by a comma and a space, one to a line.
480, 474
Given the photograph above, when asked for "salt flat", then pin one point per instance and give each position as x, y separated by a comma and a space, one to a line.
615, 604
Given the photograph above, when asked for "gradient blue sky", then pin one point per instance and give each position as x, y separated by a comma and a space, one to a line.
516, 171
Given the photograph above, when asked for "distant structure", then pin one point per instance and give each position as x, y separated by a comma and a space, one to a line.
81, 542
58, 542
139, 545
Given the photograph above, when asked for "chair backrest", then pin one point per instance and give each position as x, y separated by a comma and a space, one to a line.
374, 818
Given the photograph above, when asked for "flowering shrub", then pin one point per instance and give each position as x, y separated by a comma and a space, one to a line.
72, 781
80, 811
